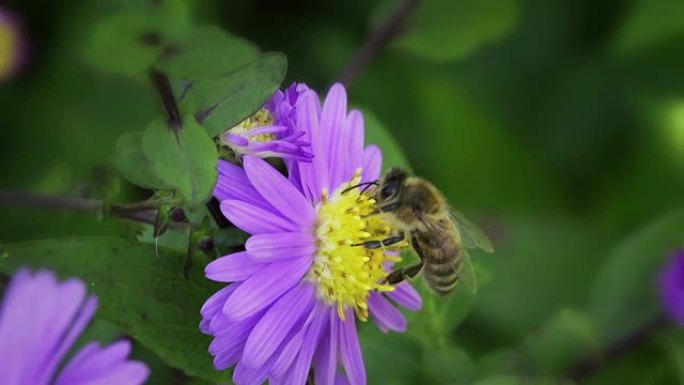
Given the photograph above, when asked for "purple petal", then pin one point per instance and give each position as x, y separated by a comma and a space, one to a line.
229, 343
356, 137
341, 379
405, 295
275, 325
233, 267
264, 287
214, 304
386, 315
279, 192
94, 365
314, 176
279, 246
351, 351
302, 365
335, 134
371, 163
326, 357
233, 184
39, 321
244, 375
254, 219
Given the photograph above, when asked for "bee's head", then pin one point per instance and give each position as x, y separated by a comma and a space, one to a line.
391, 185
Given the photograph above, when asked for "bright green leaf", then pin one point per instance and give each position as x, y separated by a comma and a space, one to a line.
186, 162
222, 102
624, 296
142, 294
450, 30
132, 163
206, 52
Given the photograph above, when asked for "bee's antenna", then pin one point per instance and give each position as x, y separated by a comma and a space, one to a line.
365, 184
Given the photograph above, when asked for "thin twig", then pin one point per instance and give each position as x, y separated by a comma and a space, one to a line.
590, 365
392, 27
144, 211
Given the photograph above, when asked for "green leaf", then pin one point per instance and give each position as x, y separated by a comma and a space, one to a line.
444, 30
376, 133
132, 163
117, 44
206, 52
379, 349
222, 102
624, 295
185, 162
499, 380
144, 295
563, 340
649, 23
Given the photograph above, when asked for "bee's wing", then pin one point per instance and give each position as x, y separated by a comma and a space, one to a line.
471, 236
467, 272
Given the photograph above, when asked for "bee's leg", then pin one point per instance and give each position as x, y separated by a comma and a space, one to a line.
400, 275
389, 241
410, 271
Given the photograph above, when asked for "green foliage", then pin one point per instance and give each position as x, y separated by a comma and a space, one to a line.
222, 102
185, 161
444, 30
624, 296
206, 52
130, 160
143, 294
377, 133
649, 23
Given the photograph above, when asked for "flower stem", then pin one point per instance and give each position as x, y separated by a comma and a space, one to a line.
590, 365
392, 27
144, 211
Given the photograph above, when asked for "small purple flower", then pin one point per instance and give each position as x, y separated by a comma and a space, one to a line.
303, 280
40, 319
13, 52
671, 282
270, 132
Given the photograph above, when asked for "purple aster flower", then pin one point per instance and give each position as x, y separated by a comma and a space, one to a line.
304, 280
13, 51
671, 282
40, 319
271, 132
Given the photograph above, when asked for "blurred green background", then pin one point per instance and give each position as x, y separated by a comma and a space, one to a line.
558, 126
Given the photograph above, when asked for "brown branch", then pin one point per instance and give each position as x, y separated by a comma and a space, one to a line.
392, 27
590, 365
145, 211
162, 84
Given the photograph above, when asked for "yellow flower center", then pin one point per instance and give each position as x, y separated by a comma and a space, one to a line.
261, 118
345, 271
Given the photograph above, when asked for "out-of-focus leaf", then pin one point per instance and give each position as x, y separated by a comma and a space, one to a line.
132, 163
206, 52
566, 338
539, 267
499, 380
222, 102
376, 133
380, 349
116, 45
649, 23
186, 161
450, 30
624, 296
145, 296
447, 365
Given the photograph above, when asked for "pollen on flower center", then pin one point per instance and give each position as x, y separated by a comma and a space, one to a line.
345, 271
261, 118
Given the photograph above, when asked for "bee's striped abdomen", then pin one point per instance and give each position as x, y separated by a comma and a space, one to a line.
442, 265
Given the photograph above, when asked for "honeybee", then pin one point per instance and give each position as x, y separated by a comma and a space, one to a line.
417, 209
